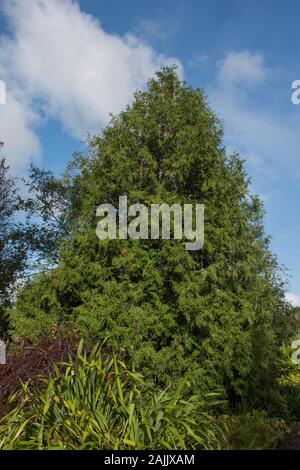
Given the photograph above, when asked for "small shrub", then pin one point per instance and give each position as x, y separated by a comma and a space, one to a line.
255, 431
290, 382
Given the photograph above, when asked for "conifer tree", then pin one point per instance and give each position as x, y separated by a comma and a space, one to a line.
217, 314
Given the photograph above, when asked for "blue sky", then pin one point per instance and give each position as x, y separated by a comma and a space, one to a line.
66, 70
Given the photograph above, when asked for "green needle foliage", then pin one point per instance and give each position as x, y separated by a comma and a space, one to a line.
217, 314
98, 403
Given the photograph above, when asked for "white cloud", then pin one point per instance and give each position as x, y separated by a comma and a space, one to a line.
16, 122
197, 61
242, 66
268, 141
158, 29
69, 68
294, 299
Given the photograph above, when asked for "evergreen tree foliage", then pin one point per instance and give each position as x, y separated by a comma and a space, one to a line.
217, 314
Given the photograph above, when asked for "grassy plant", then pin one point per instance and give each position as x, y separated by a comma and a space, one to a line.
98, 403
255, 431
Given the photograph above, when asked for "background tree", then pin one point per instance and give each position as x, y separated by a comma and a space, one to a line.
48, 205
13, 246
